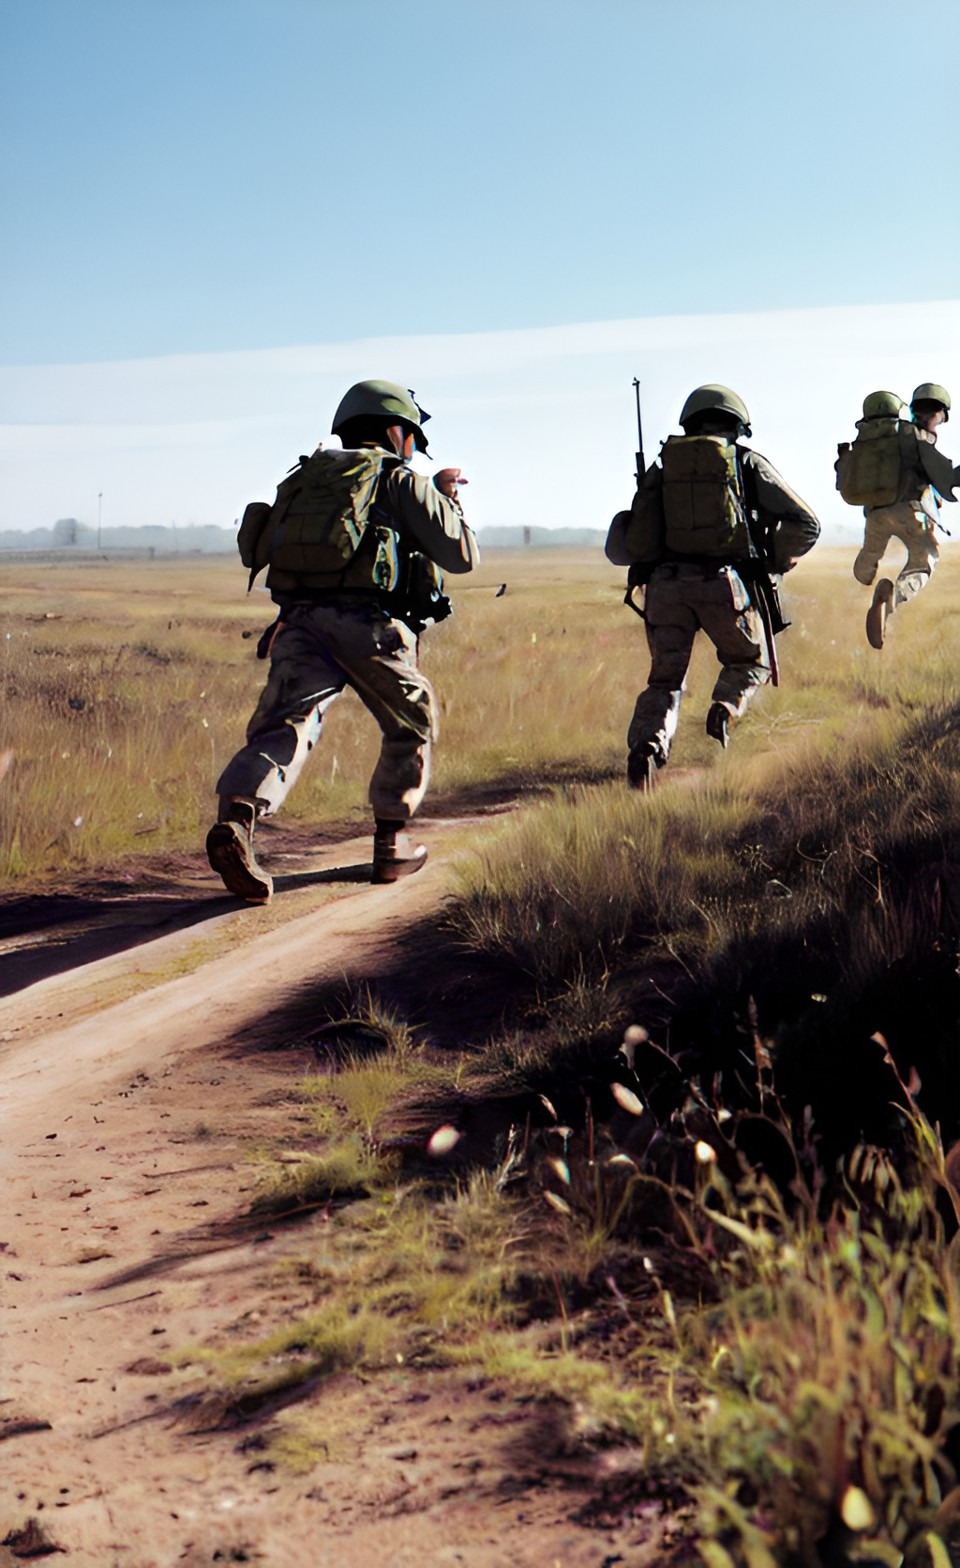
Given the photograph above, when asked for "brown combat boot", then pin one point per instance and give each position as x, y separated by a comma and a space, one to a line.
718, 723
394, 853
230, 852
642, 768
879, 612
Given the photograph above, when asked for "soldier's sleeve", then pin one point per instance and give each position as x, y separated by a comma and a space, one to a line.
793, 527
938, 469
430, 521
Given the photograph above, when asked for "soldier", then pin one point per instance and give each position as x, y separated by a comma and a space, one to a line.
711, 529
924, 478
355, 544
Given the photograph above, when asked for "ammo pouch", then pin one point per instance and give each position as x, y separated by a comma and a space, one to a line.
418, 598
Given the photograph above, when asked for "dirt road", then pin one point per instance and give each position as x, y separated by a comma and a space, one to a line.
129, 1113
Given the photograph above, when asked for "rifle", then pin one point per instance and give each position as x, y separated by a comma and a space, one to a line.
766, 592
638, 573
641, 465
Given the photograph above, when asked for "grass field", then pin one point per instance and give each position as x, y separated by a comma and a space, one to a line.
127, 685
710, 1210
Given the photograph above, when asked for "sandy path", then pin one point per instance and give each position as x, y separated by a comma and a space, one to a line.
126, 1119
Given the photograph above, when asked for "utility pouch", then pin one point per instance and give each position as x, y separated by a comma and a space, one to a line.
418, 599
255, 518
376, 563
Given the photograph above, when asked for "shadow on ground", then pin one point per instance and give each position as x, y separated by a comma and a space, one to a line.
47, 934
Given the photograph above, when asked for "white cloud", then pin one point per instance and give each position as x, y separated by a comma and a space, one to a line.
541, 420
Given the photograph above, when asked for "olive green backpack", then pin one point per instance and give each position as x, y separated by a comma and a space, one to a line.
703, 507
871, 469
317, 527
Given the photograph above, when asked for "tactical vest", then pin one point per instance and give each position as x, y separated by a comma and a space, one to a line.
703, 508
882, 465
321, 531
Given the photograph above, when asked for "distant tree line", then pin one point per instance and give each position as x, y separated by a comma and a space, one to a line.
68, 533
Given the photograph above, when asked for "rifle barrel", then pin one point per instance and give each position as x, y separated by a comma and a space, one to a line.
640, 463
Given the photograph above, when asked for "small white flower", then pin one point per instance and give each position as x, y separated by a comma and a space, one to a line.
856, 1509
626, 1099
556, 1202
705, 1153
443, 1140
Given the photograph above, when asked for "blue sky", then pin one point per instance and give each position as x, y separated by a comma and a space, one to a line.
206, 177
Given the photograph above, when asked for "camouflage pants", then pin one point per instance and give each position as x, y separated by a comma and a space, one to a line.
911, 524
319, 650
682, 599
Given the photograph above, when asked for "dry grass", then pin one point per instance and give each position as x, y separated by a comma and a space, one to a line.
766, 1313
126, 687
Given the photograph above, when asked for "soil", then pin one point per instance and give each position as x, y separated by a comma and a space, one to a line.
139, 1070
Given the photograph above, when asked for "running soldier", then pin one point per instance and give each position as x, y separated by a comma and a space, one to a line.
711, 530
355, 544
894, 470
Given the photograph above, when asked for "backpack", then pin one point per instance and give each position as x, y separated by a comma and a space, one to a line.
703, 506
871, 469
318, 522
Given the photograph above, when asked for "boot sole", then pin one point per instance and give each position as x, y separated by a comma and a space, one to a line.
230, 857
878, 614
386, 871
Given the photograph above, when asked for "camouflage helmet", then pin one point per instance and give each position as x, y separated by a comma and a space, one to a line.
715, 398
932, 392
881, 405
382, 400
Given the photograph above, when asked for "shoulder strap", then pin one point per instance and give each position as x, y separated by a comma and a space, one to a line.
750, 497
